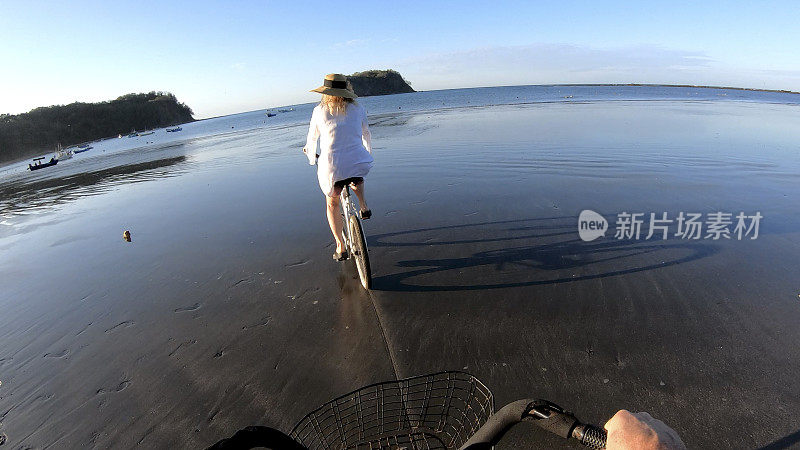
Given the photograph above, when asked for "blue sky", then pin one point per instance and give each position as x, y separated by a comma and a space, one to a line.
222, 57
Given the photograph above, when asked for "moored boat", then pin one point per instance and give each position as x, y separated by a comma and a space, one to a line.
38, 165
62, 154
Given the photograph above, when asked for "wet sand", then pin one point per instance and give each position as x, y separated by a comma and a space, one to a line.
225, 310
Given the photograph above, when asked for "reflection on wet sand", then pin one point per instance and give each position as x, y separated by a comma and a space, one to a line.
24, 198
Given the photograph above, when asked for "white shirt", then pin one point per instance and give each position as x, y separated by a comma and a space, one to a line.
345, 145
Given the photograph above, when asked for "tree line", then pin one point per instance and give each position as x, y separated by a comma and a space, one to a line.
42, 129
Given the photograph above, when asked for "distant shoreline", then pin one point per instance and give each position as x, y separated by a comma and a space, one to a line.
15, 160
777, 91
781, 91
42, 129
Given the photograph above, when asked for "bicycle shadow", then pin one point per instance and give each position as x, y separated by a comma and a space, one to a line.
784, 442
540, 258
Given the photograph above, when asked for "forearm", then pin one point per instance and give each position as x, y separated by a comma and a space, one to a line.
311, 144
366, 138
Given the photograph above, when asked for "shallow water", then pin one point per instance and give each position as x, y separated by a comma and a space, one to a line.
226, 311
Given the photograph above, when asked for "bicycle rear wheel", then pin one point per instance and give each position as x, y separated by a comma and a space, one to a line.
358, 247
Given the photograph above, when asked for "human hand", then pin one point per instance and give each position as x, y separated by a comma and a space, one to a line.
628, 431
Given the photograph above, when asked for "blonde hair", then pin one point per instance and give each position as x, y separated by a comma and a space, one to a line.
335, 105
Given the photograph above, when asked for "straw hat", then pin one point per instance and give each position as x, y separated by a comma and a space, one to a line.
335, 84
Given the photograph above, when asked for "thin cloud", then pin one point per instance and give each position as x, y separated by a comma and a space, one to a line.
351, 43
552, 63
562, 57
566, 63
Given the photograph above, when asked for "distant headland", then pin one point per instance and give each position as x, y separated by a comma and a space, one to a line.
378, 82
42, 129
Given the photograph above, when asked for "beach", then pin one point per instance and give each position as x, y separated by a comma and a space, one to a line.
225, 310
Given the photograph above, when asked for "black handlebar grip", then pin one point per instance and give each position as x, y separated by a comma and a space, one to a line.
493, 430
590, 436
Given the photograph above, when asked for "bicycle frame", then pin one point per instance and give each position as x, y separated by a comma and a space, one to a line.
348, 209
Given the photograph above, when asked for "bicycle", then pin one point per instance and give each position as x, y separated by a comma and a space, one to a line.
354, 240
444, 410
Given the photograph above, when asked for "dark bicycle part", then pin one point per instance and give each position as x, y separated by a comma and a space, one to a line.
445, 410
555, 419
497, 425
546, 415
590, 436
437, 411
258, 437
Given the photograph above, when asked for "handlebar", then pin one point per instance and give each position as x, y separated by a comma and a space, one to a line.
546, 415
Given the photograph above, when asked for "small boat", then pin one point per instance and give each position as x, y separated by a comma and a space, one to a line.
83, 149
62, 154
39, 165
173, 130
271, 114
146, 133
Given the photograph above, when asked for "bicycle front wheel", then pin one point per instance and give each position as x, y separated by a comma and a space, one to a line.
359, 250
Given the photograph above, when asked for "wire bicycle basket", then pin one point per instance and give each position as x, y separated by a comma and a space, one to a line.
436, 411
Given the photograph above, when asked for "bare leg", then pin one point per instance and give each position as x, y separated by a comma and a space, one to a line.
335, 221
359, 190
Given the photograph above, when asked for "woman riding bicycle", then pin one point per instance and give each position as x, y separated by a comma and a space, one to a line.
340, 124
